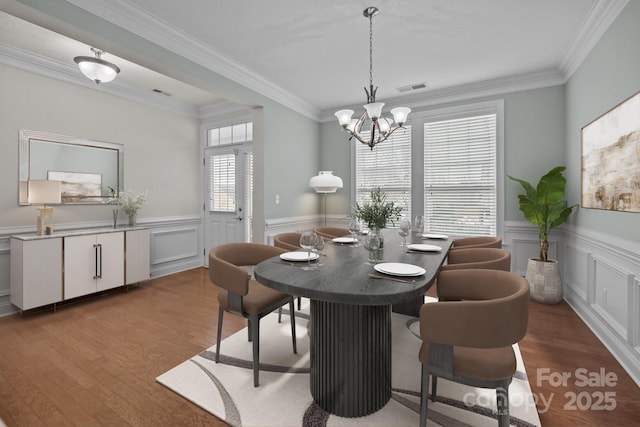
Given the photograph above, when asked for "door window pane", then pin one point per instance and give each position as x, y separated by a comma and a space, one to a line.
222, 185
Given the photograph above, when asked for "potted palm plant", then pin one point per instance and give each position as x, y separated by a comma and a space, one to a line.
545, 207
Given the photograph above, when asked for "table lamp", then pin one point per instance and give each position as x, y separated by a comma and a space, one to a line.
43, 192
325, 182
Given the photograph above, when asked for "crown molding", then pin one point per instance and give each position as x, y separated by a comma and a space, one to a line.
133, 19
600, 17
38, 64
492, 87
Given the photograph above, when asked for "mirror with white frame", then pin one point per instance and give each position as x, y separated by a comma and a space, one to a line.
87, 169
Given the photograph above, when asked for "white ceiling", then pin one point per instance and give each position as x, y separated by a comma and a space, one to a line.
318, 51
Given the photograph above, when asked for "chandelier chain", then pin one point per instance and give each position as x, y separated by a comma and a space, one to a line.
371, 50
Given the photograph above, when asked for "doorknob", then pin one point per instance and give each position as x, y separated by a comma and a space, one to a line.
239, 218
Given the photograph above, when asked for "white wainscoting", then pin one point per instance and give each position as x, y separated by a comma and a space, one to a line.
299, 224
601, 280
176, 245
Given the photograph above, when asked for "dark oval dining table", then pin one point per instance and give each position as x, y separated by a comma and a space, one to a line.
351, 317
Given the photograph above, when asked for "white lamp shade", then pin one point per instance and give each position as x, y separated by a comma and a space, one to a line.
374, 110
43, 192
344, 117
383, 125
98, 70
400, 114
352, 126
325, 182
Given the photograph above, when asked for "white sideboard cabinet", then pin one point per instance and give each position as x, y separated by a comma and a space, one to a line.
49, 269
35, 272
93, 263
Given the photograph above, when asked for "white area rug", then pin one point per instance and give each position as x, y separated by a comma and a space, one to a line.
283, 399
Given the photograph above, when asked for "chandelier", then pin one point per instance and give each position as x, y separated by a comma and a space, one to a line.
97, 69
372, 127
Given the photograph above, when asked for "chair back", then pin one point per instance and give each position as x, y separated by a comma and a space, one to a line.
491, 311
331, 232
226, 260
477, 242
486, 258
288, 241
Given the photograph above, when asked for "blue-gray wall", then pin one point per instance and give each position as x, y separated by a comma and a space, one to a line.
609, 75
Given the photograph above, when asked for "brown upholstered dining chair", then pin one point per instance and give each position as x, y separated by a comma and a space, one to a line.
242, 295
470, 340
477, 242
486, 258
331, 232
288, 241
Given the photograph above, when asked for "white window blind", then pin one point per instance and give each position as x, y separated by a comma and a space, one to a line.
387, 166
248, 196
222, 173
460, 175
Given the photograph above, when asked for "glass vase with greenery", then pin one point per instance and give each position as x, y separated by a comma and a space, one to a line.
377, 212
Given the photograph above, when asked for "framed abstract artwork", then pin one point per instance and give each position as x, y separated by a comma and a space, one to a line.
77, 186
611, 159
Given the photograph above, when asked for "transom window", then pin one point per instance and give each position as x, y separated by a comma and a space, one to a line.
233, 134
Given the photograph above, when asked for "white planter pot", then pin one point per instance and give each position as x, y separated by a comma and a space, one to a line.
544, 281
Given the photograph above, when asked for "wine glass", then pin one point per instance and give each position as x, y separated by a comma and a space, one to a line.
404, 229
318, 247
418, 224
354, 227
372, 244
308, 241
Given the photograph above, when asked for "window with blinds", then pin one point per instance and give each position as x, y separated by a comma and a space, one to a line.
387, 166
460, 175
222, 175
248, 196
234, 134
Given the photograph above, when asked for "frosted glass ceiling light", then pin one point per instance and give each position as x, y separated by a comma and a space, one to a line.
97, 69
377, 126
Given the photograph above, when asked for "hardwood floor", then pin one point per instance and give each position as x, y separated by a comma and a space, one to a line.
94, 362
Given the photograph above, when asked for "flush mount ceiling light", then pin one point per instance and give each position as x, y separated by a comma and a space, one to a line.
372, 127
96, 68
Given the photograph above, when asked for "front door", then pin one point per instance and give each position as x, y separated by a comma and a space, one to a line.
228, 186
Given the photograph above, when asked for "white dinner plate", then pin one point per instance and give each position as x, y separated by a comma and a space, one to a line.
424, 248
435, 236
299, 256
344, 240
399, 269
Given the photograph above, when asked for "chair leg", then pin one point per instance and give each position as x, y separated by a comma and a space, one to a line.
254, 321
293, 327
424, 391
502, 399
220, 315
249, 331
434, 387
299, 303
280, 315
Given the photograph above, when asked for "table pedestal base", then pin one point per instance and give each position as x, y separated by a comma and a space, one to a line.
350, 357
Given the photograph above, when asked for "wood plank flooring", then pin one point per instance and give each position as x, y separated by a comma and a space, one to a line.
94, 361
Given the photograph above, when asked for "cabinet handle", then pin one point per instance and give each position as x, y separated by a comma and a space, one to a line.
100, 261
95, 265
98, 265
